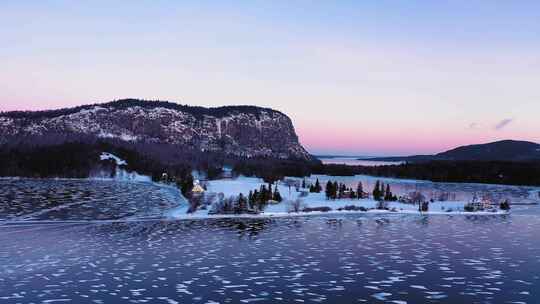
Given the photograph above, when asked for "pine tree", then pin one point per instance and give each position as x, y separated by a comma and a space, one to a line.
277, 195
269, 194
304, 183
242, 204
359, 190
377, 191
256, 197
388, 194
263, 195
329, 190
250, 199
318, 187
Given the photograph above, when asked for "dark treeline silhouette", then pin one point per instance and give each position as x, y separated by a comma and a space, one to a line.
73, 160
77, 157
335, 190
272, 170
383, 192
492, 172
196, 111
64, 155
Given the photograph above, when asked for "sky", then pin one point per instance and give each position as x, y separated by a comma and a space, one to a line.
356, 77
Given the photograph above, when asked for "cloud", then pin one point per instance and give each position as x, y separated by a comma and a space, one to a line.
503, 124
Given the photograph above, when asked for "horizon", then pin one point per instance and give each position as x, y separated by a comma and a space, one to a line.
316, 154
384, 79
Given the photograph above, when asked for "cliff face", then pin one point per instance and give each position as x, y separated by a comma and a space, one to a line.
243, 131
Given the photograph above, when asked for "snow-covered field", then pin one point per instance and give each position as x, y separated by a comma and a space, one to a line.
233, 187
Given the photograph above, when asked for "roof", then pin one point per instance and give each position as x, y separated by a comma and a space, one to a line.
197, 189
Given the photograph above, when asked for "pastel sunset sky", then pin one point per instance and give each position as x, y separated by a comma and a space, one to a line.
356, 77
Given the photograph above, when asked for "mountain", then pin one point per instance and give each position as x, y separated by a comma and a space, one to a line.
504, 150
239, 131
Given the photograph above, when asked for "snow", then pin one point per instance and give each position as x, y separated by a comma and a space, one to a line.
121, 173
242, 184
117, 160
123, 136
5, 121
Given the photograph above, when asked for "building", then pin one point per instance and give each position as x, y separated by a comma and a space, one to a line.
197, 188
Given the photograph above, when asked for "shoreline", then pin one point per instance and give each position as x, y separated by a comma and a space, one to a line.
264, 215
267, 215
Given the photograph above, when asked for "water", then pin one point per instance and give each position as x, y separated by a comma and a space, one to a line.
65, 199
139, 257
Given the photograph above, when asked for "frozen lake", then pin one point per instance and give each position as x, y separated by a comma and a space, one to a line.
107, 242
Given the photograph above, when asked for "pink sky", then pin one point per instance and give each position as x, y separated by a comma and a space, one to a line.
360, 78
367, 137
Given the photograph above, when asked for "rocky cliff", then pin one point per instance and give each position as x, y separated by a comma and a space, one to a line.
243, 131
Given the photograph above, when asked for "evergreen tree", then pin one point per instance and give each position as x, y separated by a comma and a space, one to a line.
256, 196
329, 190
269, 194
388, 193
377, 191
359, 190
263, 194
241, 205
277, 195
318, 187
304, 183
186, 184
251, 201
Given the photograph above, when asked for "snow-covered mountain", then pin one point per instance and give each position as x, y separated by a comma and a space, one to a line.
244, 131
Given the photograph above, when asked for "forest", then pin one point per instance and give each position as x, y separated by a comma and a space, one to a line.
79, 158
196, 111
488, 172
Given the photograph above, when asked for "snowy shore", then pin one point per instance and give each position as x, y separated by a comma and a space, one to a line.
233, 187
201, 216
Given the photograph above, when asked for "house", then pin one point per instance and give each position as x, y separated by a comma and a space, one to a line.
197, 188
483, 204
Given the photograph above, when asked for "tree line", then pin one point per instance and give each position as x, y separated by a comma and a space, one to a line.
255, 202
490, 172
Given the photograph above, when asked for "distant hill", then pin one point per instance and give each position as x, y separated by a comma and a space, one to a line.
504, 150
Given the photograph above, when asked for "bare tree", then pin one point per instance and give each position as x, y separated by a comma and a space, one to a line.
290, 183
295, 206
416, 197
